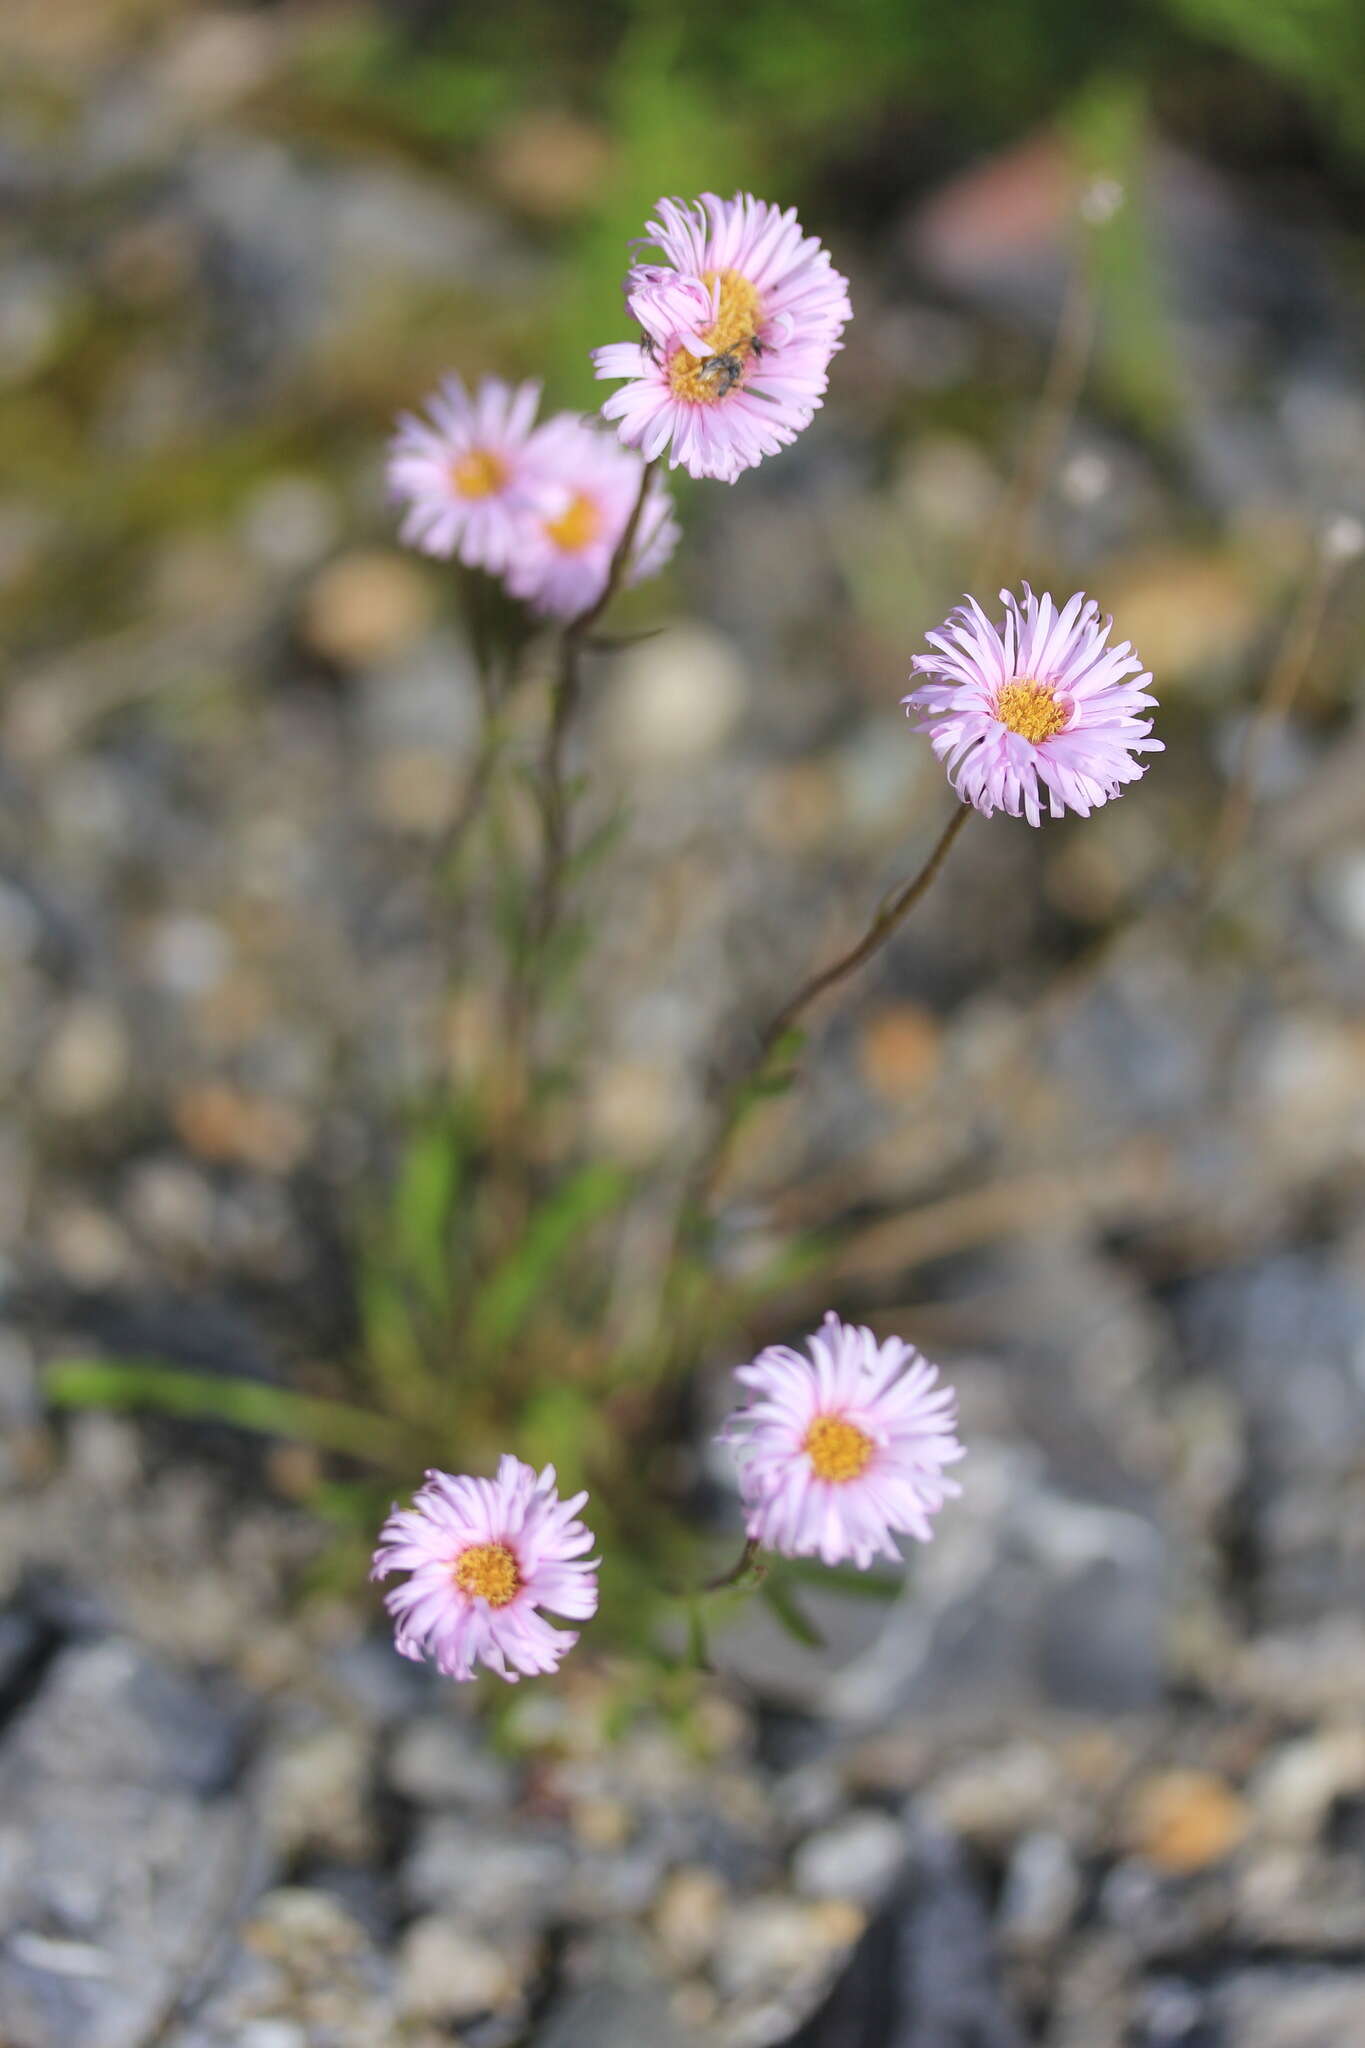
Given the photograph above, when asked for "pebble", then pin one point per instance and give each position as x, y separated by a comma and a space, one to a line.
855, 1858
1184, 1821
1042, 1890
317, 1793
365, 607
1295, 1788
773, 1943
675, 700
688, 1913
494, 1877
448, 1972
86, 1065
437, 1760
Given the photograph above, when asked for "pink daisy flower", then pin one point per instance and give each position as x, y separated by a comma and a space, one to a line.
484, 1555
463, 472
1039, 709
739, 326
845, 1448
585, 486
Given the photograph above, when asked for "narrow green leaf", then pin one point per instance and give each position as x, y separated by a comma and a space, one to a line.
698, 1649
789, 1612
513, 1290
249, 1404
423, 1201
844, 1578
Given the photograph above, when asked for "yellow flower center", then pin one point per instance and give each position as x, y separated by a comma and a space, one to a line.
478, 474
489, 1572
837, 1450
730, 340
578, 526
1031, 710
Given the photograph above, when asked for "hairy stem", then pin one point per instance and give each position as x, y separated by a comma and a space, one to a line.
746, 1562
894, 910
554, 806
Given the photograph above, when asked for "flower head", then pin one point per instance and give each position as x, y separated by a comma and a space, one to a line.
483, 1556
739, 326
1039, 709
463, 472
584, 487
841, 1450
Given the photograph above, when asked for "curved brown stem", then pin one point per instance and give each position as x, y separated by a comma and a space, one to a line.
896, 907
746, 1562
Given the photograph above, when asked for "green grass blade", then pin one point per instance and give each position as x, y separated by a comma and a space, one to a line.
513, 1290
248, 1404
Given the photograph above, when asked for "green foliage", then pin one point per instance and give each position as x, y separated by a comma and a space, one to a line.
1317, 46
555, 1229
247, 1404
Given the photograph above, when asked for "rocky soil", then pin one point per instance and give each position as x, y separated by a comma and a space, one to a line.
1097, 1779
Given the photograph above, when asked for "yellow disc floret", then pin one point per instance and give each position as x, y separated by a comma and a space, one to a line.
1031, 709
837, 1450
478, 474
489, 1572
730, 341
578, 526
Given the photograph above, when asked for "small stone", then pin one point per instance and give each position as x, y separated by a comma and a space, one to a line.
289, 522
687, 1915
636, 1107
1296, 1787
221, 1123
87, 1244
495, 1877
439, 1761
317, 1797
856, 1858
995, 1797
365, 607
775, 1944
1183, 1821
171, 1205
272, 2034
85, 1067
676, 699
1042, 1890
413, 790
601, 1823
448, 1972
188, 955
899, 1050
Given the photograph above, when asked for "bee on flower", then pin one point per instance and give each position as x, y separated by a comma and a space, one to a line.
738, 325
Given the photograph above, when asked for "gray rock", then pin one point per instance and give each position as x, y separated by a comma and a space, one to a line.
1274, 2006
854, 1858
122, 1849
492, 1875
924, 1975
301, 1973
610, 1999
438, 1760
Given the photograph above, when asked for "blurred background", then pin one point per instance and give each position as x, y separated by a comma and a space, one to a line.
1090, 1132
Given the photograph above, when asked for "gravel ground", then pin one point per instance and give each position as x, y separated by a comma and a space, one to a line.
1098, 1776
